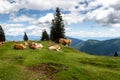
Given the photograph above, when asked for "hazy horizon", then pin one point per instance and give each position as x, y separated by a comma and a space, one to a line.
20, 38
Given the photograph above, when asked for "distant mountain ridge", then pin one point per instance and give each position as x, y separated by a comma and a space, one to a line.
107, 47
75, 41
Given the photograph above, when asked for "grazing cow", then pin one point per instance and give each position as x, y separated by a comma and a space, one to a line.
65, 41
33, 45
54, 47
19, 46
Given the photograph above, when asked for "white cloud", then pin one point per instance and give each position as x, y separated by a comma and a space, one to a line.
22, 18
107, 14
68, 28
36, 27
12, 25
112, 32
7, 7
19, 29
15, 31
46, 19
117, 25
49, 4
73, 18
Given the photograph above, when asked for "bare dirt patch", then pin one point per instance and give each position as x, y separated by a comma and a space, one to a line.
46, 71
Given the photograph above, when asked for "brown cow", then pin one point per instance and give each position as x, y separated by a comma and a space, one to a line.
65, 41
19, 46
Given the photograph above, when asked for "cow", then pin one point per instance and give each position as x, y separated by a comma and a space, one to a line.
54, 47
33, 45
19, 46
65, 41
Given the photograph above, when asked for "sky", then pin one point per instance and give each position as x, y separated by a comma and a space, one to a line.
82, 18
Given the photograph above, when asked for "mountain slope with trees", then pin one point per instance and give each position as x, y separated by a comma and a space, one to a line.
107, 47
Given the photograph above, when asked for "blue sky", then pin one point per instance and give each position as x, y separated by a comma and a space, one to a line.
82, 18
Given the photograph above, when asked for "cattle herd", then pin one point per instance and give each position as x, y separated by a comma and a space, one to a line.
35, 45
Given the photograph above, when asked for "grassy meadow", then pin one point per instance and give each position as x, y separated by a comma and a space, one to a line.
44, 64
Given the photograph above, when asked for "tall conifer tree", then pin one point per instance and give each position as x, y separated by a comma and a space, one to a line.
2, 34
57, 27
44, 35
115, 54
25, 37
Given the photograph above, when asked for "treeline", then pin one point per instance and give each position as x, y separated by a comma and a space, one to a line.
57, 29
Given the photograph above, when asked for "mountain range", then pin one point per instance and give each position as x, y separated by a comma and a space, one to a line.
74, 41
96, 47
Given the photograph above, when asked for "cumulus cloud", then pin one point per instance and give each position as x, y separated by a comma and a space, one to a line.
12, 25
107, 14
19, 29
49, 4
22, 18
73, 18
104, 12
46, 19
7, 7
110, 33
13, 29
17, 26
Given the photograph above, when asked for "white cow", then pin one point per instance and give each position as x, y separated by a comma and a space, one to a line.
55, 47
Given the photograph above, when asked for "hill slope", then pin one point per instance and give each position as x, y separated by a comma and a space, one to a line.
67, 64
107, 47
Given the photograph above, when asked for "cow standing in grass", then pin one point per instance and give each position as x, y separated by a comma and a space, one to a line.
65, 41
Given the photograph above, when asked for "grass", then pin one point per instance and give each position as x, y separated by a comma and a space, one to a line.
67, 64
